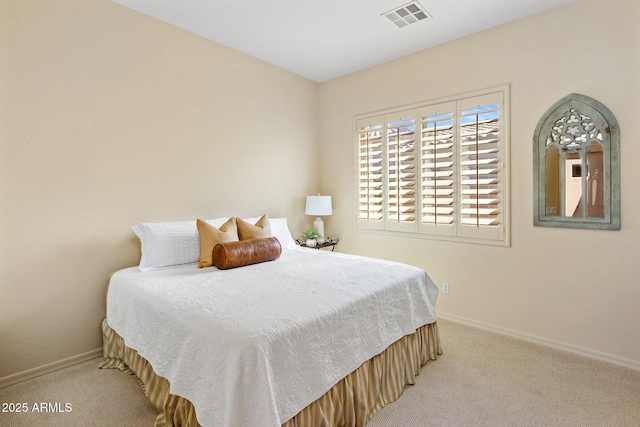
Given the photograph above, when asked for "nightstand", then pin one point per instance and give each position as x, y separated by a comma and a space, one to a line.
333, 242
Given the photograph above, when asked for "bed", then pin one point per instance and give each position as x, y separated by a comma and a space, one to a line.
312, 338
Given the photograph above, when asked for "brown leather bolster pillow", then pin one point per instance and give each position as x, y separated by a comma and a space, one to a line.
245, 252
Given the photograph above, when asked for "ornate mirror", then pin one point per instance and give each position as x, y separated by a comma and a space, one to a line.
576, 166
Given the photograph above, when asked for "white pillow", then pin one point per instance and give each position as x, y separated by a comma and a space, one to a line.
279, 230
166, 244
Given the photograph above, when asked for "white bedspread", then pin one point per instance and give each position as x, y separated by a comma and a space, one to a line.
252, 346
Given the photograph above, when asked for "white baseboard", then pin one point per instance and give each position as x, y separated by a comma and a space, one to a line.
51, 367
586, 352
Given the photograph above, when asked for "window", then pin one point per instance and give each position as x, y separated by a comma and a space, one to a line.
438, 169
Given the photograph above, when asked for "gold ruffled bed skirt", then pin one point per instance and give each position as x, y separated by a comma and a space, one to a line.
351, 402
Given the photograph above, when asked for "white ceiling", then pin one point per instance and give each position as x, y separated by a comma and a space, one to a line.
325, 39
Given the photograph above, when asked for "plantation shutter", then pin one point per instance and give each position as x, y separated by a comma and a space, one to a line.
400, 206
480, 187
437, 169
370, 173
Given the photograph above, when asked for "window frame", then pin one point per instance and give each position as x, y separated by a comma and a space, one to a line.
499, 235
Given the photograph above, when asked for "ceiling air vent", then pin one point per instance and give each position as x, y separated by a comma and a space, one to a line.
408, 14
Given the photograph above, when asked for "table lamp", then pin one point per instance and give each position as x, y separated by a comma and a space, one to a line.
318, 206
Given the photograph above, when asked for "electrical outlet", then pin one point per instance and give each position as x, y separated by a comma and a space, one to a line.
445, 287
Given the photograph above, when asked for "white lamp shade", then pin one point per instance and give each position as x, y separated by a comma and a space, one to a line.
318, 205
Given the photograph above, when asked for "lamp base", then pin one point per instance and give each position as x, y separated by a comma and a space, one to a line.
318, 224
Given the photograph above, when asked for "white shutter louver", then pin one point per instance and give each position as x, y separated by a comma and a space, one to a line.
401, 174
370, 173
480, 186
437, 168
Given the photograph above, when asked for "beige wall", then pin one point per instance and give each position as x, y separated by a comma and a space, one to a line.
575, 289
109, 118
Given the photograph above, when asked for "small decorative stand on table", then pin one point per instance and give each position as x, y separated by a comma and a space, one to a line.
324, 244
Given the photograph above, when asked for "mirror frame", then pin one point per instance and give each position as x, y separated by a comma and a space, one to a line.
610, 134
